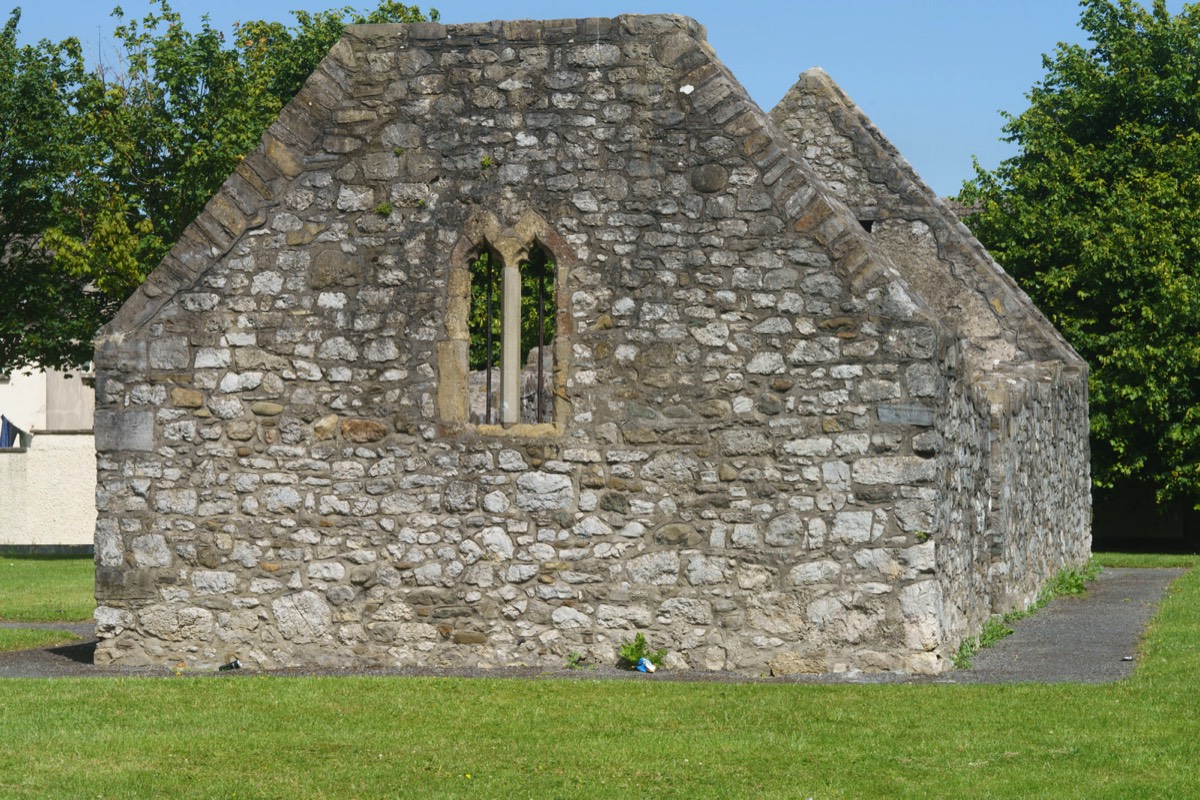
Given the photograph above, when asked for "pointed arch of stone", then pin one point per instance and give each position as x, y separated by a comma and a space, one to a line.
512, 245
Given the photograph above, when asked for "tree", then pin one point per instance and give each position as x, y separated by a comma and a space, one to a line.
42, 156
134, 154
1096, 218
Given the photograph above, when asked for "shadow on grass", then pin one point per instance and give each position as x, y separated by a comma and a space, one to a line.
81, 653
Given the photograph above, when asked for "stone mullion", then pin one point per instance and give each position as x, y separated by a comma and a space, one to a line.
510, 333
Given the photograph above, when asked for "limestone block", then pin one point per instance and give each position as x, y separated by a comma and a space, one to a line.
796, 664
658, 569
590, 527
338, 348
225, 407
905, 414
853, 527
745, 441
176, 501
303, 617
174, 624
519, 573
496, 502
786, 530
213, 581
170, 352
497, 542
112, 620
281, 498
706, 570
921, 557
124, 430
745, 534
326, 570
460, 496
754, 578
921, 605
766, 364
814, 572
894, 470
149, 550
817, 446
567, 618
612, 616
108, 544
685, 610
541, 491
355, 198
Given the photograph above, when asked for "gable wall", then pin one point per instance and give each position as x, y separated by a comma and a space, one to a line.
746, 454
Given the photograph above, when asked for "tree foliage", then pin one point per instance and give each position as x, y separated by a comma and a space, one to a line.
1096, 218
102, 169
537, 289
42, 157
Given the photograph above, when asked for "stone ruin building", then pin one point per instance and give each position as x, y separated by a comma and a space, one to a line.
795, 418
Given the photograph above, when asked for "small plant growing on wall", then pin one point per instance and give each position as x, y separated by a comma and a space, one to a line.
635, 651
384, 209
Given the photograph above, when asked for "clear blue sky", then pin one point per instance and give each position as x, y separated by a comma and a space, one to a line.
932, 74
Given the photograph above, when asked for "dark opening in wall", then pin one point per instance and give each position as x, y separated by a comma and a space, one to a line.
538, 317
867, 224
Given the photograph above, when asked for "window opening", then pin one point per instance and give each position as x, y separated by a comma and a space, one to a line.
485, 336
537, 332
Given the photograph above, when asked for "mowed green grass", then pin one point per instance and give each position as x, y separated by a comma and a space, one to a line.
241, 736
28, 639
46, 588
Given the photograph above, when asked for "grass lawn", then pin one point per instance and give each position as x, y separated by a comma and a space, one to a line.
265, 737
27, 639
46, 588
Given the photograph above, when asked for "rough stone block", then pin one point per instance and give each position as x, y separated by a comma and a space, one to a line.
905, 414
124, 430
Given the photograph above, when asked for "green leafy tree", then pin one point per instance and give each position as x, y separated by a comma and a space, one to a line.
46, 314
132, 155
1096, 217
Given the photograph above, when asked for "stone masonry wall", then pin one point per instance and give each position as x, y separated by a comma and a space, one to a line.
748, 461
1018, 509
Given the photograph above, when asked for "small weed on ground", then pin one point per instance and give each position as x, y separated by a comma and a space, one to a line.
576, 661
632, 652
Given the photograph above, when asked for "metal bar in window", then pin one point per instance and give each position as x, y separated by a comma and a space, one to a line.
487, 259
541, 308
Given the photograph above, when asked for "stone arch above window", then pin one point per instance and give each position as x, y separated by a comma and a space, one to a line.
529, 249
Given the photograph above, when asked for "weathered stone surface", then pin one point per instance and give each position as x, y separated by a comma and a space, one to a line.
124, 430
363, 430
543, 491
302, 617
678, 534
764, 436
148, 551
187, 398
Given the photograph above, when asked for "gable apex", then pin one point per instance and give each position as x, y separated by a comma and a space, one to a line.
936, 252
